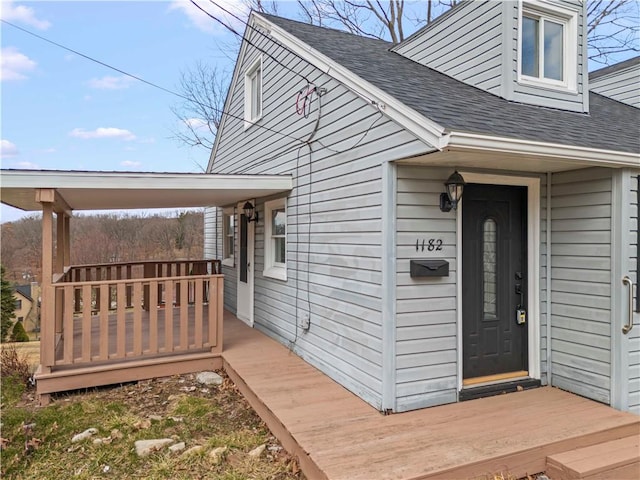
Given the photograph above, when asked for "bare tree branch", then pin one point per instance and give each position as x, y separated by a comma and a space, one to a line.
199, 117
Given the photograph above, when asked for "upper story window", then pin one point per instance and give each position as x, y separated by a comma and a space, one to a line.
548, 46
228, 236
253, 93
275, 244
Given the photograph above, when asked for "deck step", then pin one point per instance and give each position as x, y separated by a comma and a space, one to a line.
613, 460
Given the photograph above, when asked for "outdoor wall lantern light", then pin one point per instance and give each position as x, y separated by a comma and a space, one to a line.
454, 185
250, 212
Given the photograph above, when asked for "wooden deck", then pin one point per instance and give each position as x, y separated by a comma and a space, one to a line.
338, 436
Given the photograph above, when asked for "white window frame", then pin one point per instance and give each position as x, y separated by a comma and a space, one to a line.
228, 259
569, 21
272, 268
249, 93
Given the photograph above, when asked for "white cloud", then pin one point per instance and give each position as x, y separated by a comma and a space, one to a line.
14, 65
130, 164
22, 14
196, 123
207, 24
8, 149
102, 132
111, 83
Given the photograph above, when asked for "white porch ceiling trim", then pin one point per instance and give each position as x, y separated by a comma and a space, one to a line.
134, 190
567, 153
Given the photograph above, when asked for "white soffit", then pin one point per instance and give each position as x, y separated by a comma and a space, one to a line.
133, 190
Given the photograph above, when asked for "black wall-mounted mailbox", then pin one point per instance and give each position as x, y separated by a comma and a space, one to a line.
429, 268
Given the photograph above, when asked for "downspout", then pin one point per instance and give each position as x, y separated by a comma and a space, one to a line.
548, 281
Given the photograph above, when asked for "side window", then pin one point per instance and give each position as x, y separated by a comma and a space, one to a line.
275, 234
253, 93
548, 48
228, 236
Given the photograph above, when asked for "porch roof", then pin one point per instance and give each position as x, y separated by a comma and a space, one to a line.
82, 190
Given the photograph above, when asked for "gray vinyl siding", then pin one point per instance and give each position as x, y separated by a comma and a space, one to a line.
581, 282
634, 335
334, 254
623, 86
544, 270
544, 96
465, 44
211, 240
426, 321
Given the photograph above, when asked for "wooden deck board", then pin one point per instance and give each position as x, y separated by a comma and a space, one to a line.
345, 438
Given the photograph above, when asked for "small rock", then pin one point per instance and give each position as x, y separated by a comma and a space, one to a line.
84, 435
519, 388
204, 390
156, 418
217, 454
209, 378
106, 469
145, 447
178, 447
116, 434
256, 452
188, 389
142, 424
275, 448
97, 441
192, 450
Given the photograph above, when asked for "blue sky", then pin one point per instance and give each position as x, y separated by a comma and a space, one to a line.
62, 111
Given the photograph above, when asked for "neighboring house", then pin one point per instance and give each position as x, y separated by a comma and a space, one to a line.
26, 297
365, 270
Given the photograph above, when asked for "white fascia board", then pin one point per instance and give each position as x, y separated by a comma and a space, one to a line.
421, 126
140, 180
594, 156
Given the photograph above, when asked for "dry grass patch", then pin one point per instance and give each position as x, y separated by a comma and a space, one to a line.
37, 441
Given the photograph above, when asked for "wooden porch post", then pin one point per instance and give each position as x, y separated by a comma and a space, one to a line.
47, 312
60, 240
67, 240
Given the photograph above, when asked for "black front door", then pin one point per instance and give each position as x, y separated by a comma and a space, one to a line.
494, 280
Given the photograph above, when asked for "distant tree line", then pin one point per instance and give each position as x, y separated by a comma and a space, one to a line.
107, 238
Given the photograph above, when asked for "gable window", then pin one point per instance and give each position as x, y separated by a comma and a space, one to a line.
253, 93
275, 244
228, 236
548, 45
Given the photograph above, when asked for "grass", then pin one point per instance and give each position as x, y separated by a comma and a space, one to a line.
37, 441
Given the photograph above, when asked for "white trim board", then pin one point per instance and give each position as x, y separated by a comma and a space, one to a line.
533, 262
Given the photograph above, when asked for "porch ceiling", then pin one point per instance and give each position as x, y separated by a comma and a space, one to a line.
133, 190
530, 162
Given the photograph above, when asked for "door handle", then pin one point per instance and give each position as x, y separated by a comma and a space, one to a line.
629, 283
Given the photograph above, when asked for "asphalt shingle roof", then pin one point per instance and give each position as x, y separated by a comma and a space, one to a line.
609, 125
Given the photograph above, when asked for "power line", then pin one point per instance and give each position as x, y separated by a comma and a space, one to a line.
239, 35
151, 84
